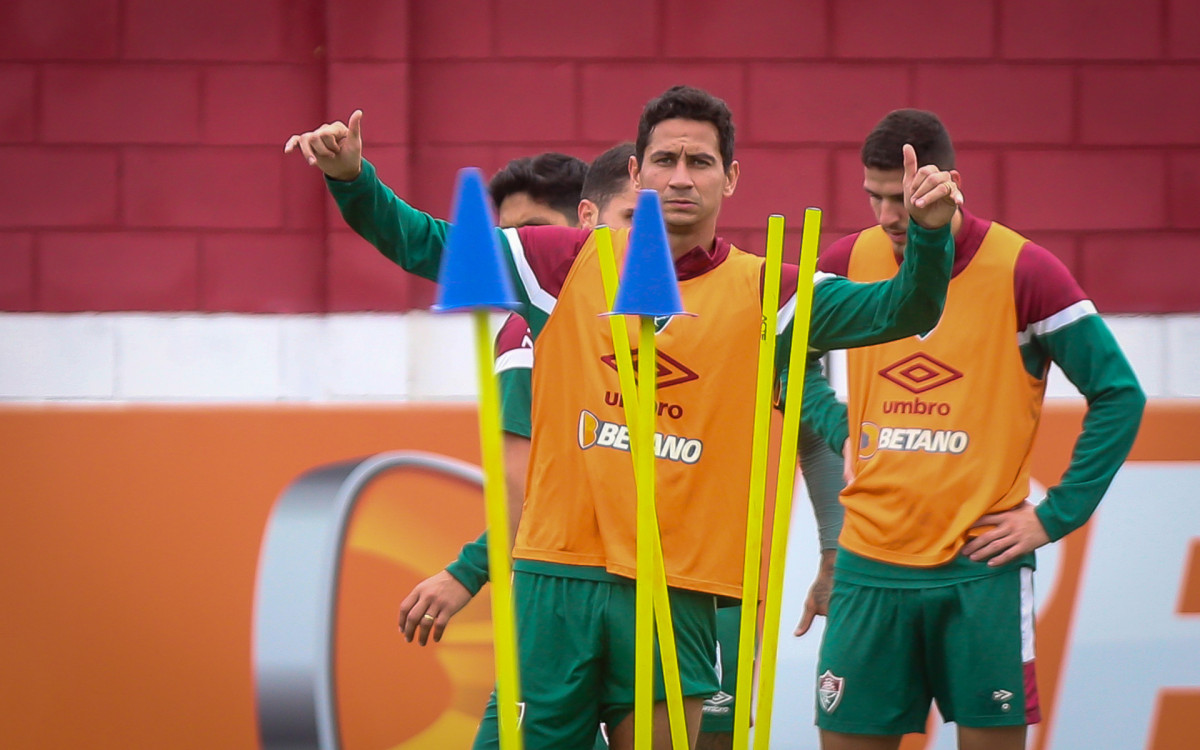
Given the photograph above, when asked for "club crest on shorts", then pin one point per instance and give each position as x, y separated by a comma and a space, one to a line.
829, 690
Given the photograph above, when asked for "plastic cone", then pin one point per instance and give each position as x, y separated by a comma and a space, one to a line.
648, 283
473, 273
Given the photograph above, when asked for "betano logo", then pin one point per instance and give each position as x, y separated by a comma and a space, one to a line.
873, 438
595, 432
667, 371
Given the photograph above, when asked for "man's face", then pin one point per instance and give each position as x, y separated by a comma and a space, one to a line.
618, 212
519, 210
885, 191
682, 163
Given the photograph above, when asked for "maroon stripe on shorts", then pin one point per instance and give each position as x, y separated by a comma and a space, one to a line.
1033, 710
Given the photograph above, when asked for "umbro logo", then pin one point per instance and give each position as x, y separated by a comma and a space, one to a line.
1001, 695
920, 373
668, 370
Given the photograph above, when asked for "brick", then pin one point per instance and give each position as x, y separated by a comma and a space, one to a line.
1002, 103
1183, 29
305, 199
1063, 245
1150, 272
18, 84
851, 210
262, 273
58, 187
775, 28
434, 170
421, 293
1183, 192
369, 29
452, 29
59, 29
359, 278
259, 104
980, 172
493, 102
1084, 190
306, 31
1119, 29
117, 271
942, 29
16, 272
796, 102
380, 90
221, 30
612, 95
130, 103
551, 28
776, 181
1154, 106
216, 187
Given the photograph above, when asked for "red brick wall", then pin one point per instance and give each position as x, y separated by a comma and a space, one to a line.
142, 138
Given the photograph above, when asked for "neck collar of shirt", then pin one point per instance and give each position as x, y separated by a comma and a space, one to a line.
698, 260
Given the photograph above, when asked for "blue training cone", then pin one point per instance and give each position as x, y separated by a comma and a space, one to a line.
473, 273
648, 283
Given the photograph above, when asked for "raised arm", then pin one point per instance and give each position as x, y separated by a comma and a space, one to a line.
847, 314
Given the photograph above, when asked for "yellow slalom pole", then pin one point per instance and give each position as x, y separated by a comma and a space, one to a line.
758, 481
787, 475
643, 696
508, 682
662, 603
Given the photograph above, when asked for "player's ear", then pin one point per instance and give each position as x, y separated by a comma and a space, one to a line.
635, 173
589, 214
731, 177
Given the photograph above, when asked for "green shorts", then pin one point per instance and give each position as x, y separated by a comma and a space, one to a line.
888, 651
575, 642
717, 715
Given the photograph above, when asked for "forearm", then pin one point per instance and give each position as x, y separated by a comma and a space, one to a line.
847, 314
822, 471
822, 413
1092, 360
407, 236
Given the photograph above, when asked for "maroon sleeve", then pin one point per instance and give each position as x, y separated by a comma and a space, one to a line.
550, 251
1042, 285
836, 258
789, 274
513, 334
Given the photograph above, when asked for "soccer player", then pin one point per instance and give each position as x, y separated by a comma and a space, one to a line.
537, 190
932, 595
607, 198
575, 546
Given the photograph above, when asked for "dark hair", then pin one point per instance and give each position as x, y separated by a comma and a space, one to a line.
551, 178
687, 103
608, 175
884, 147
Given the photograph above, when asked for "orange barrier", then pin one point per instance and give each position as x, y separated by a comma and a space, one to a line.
131, 537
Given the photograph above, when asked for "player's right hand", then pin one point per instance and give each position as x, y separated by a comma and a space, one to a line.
336, 148
817, 602
931, 196
430, 605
